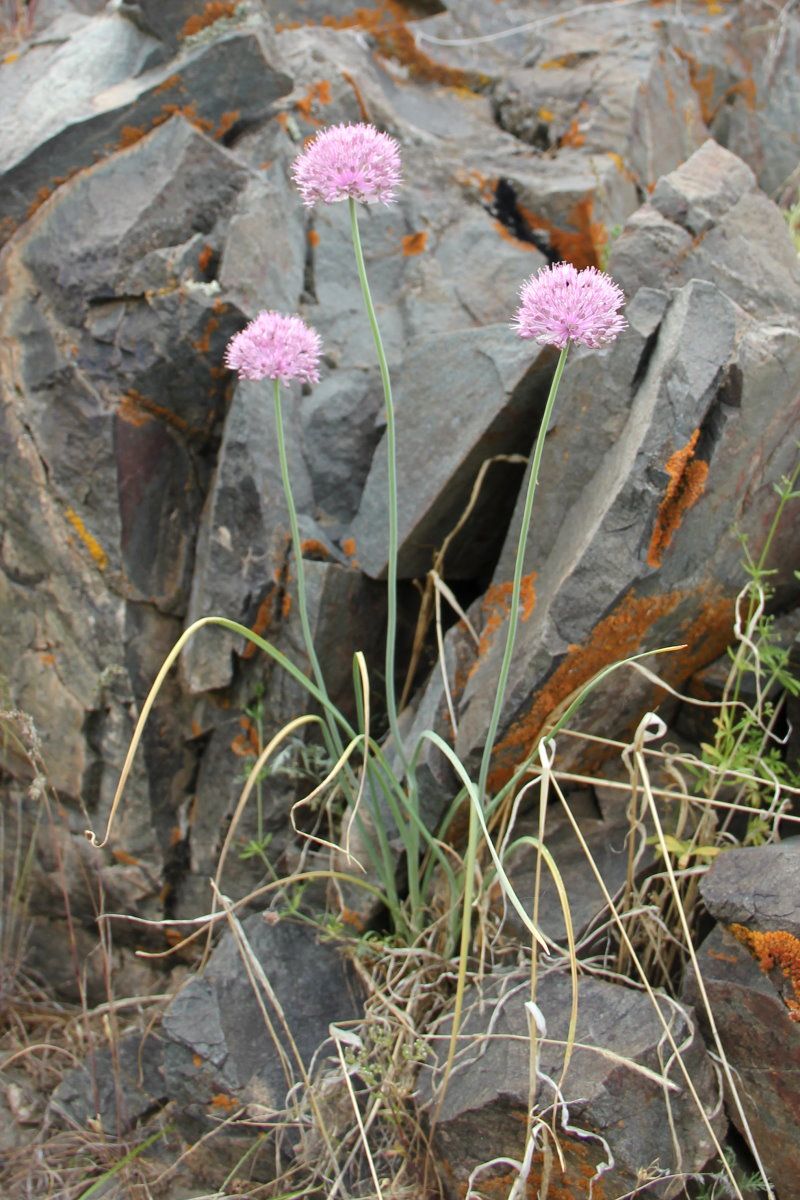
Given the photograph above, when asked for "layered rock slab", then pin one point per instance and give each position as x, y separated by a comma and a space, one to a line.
750, 967
621, 1115
657, 446
108, 100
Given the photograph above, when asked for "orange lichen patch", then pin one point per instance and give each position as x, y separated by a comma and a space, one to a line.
546, 114
122, 856
564, 62
174, 81
775, 949
313, 237
573, 136
221, 1100
506, 233
578, 1178
226, 123
89, 540
349, 548
620, 164
687, 481
362, 107
495, 605
175, 835
350, 917
47, 659
136, 409
617, 636
286, 605
129, 135
319, 94
261, 624
197, 1061
581, 244
188, 111
414, 243
246, 744
313, 548
213, 11
173, 937
44, 193
204, 257
203, 343
746, 88
702, 81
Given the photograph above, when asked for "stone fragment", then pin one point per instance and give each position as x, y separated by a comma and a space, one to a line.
221, 1043
117, 1087
108, 103
761, 1044
612, 1120
757, 887
472, 395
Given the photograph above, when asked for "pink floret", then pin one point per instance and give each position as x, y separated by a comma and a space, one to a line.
345, 161
561, 304
274, 346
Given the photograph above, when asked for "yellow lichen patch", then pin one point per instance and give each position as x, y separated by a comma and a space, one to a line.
414, 243
546, 114
775, 949
90, 542
687, 481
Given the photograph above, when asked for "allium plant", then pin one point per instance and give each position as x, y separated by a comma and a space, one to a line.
283, 348
358, 162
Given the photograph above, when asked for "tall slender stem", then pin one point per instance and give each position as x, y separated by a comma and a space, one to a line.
391, 454
302, 603
513, 617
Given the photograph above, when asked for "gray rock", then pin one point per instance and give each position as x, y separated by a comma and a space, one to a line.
108, 105
619, 1112
471, 395
608, 843
761, 1041
217, 1039
618, 561
117, 1088
756, 886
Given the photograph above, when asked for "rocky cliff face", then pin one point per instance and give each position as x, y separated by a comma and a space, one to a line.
147, 214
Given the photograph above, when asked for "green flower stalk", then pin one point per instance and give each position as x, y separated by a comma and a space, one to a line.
359, 163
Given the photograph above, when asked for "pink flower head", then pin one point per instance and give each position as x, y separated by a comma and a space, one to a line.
561, 304
348, 160
273, 346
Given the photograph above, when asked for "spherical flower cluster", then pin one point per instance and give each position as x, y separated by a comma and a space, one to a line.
345, 161
274, 346
561, 304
